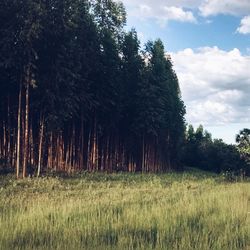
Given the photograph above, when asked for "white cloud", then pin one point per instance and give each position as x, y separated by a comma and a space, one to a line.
175, 13
244, 26
163, 13
232, 7
183, 10
215, 85
191, 4
206, 7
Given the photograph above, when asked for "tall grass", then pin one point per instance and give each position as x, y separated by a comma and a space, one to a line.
125, 211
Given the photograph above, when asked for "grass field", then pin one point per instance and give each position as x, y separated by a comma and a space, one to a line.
192, 210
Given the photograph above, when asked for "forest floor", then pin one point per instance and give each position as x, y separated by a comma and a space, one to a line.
190, 210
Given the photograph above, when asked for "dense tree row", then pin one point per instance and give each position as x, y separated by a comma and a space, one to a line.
201, 151
77, 93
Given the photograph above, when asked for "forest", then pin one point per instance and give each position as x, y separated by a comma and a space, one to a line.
100, 119
80, 93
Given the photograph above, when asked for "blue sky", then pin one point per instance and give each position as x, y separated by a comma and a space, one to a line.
178, 36
209, 42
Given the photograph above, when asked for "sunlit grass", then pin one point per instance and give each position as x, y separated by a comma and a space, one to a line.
125, 211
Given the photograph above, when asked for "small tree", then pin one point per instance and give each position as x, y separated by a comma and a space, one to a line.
243, 144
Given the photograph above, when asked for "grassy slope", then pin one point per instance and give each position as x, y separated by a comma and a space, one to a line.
193, 210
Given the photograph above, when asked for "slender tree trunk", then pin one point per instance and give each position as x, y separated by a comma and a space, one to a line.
4, 141
26, 134
19, 131
143, 153
95, 149
40, 147
31, 145
168, 153
89, 151
81, 152
8, 132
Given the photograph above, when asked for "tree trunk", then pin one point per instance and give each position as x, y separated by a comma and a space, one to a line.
19, 131
143, 154
40, 147
26, 134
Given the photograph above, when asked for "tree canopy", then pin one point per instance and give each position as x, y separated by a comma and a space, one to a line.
79, 93
201, 151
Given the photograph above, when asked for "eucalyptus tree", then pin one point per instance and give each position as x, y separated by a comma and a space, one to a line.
77, 92
20, 30
67, 52
131, 79
160, 110
109, 17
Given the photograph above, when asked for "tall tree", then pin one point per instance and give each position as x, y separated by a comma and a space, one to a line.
78, 94
131, 82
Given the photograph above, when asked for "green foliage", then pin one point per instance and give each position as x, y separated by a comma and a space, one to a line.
159, 105
191, 210
243, 144
92, 88
103, 103
213, 155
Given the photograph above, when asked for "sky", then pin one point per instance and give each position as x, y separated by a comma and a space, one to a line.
209, 43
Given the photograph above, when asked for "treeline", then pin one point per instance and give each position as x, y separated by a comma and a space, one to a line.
78, 93
201, 151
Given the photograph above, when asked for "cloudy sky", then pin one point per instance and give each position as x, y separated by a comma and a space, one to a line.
209, 41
